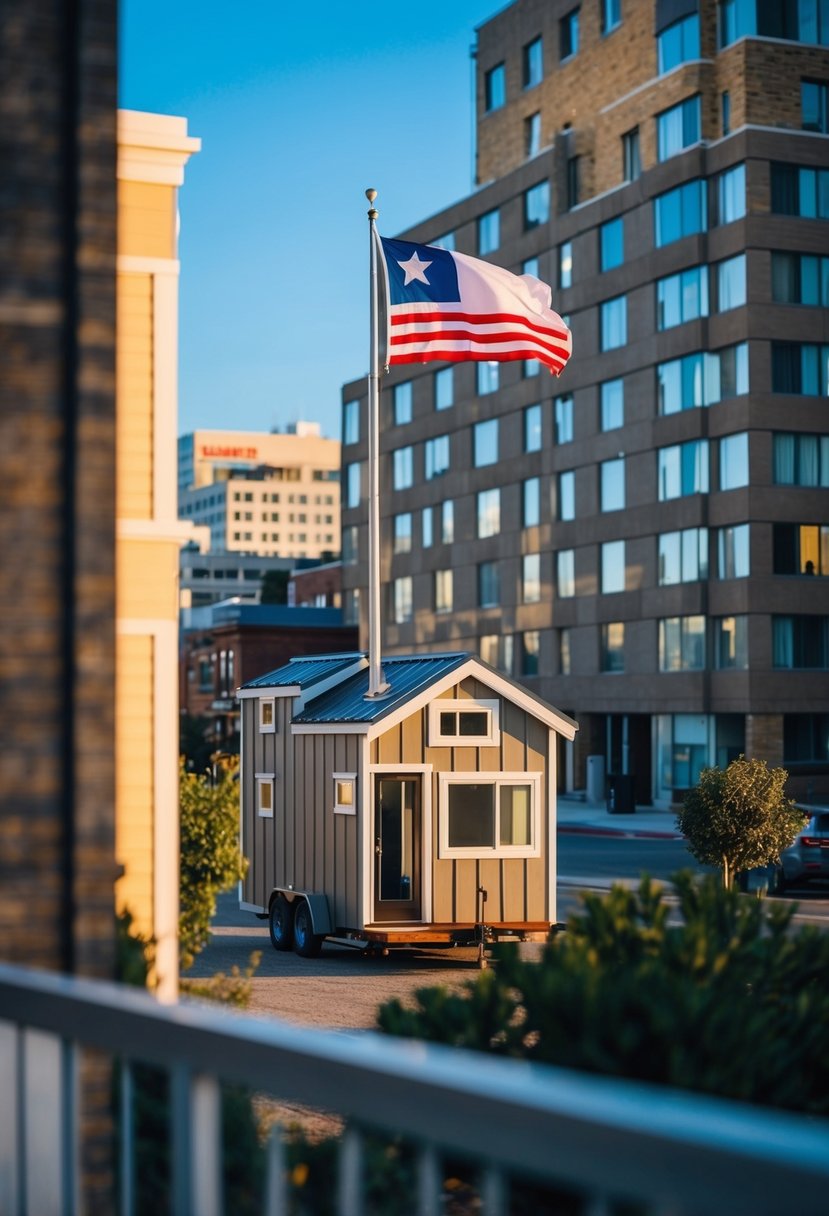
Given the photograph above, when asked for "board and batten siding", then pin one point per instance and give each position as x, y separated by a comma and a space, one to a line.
266, 842
518, 889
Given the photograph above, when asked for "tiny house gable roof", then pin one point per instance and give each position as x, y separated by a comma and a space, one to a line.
303, 673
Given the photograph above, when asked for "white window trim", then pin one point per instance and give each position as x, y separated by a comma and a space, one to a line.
441, 705
264, 779
533, 849
343, 808
264, 728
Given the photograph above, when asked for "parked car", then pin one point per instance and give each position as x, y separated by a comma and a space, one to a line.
808, 858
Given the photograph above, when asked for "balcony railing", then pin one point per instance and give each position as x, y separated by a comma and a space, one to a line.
606, 1140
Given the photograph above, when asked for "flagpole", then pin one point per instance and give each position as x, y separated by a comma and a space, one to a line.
377, 686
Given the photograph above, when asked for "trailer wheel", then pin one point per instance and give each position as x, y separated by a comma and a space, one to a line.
281, 923
307, 943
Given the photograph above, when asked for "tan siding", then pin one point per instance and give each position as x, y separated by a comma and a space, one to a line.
251, 888
147, 579
146, 220
134, 386
134, 778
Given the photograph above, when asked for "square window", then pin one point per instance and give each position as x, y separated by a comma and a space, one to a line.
455, 722
436, 457
678, 127
487, 377
267, 715
345, 793
497, 814
264, 795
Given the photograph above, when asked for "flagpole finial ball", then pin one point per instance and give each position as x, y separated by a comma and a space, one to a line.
373, 214
371, 195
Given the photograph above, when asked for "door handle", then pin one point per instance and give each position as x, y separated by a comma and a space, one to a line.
378, 846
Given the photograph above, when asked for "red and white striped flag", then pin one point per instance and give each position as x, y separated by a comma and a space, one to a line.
449, 306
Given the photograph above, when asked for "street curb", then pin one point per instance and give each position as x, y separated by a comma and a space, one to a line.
581, 829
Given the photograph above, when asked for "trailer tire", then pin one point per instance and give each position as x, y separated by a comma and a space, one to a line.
307, 943
281, 923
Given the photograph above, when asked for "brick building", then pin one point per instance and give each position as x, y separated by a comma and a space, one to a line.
646, 541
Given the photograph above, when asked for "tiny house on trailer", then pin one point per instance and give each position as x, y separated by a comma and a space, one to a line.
424, 816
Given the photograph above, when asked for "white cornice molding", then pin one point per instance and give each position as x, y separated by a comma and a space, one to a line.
127, 263
153, 147
178, 530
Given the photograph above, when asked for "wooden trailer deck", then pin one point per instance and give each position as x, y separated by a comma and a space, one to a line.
445, 934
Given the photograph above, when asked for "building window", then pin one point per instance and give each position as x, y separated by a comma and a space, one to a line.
345, 793
531, 266
403, 403
801, 368
801, 460
800, 642
402, 468
612, 657
612, 484
537, 205
352, 485
530, 367
485, 443
565, 264
683, 469
613, 566
489, 513
725, 112
800, 279
611, 15
737, 20
351, 607
680, 212
683, 556
497, 815
568, 34
426, 535
631, 156
447, 522
730, 643
682, 297
267, 714
612, 397
564, 652
801, 549
531, 578
566, 573
702, 378
532, 134
264, 795
444, 388
497, 650
799, 191
805, 739
677, 44
495, 88
678, 127
531, 503
455, 723
613, 333
489, 585
351, 422
682, 643
731, 283
403, 533
436, 457
532, 63
731, 195
402, 592
350, 542
567, 495
530, 644
611, 244
489, 232
564, 419
814, 106
733, 556
734, 461
573, 185
487, 377
532, 428
443, 591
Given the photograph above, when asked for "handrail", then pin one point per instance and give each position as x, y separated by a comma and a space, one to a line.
679, 1151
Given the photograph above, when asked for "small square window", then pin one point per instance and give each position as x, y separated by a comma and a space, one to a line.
264, 795
464, 722
267, 716
345, 793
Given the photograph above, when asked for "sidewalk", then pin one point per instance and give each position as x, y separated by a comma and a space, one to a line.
577, 815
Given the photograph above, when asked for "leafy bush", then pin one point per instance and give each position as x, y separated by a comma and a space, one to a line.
733, 1001
739, 817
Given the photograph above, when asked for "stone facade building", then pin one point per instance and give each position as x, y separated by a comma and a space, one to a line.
644, 542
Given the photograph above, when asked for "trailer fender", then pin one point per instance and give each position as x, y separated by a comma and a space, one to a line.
317, 905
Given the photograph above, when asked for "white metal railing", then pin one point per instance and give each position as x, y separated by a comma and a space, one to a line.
606, 1139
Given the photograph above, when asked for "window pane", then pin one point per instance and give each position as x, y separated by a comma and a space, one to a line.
532, 428
564, 419
537, 205
402, 600
566, 573
471, 815
565, 264
612, 404
473, 724
613, 566
487, 374
402, 468
444, 388
403, 402
485, 442
531, 513
613, 647
530, 651
731, 194
734, 462
531, 578
733, 552
567, 495
731, 283
489, 513
613, 323
495, 92
351, 422
488, 232
533, 63
611, 244
403, 533
612, 487
515, 815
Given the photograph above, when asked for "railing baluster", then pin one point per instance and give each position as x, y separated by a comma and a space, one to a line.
493, 1192
428, 1181
276, 1184
180, 1155
10, 1198
350, 1198
127, 1146
43, 1114
206, 1146
70, 1129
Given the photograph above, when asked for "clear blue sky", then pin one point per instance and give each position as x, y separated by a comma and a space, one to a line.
299, 107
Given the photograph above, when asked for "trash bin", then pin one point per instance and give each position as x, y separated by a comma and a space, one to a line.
595, 778
621, 795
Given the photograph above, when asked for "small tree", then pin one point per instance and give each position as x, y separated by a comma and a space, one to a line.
211, 860
737, 818
275, 587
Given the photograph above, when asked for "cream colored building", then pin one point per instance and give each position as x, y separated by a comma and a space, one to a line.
276, 494
152, 152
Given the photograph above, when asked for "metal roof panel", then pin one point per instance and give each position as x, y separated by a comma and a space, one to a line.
407, 676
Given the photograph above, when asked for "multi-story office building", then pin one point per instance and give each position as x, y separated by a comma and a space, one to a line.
645, 542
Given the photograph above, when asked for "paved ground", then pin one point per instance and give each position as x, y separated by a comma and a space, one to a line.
576, 814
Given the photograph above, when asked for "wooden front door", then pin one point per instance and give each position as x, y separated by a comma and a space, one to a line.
397, 848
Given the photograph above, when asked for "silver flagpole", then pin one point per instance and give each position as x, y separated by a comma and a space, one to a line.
377, 685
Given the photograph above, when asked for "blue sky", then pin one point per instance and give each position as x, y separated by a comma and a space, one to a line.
299, 109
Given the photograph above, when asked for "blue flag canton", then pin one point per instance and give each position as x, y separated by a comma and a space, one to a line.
432, 274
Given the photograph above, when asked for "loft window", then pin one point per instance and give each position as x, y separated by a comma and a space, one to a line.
267, 716
492, 815
264, 795
464, 723
345, 793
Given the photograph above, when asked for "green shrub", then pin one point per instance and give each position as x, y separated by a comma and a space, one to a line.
732, 1001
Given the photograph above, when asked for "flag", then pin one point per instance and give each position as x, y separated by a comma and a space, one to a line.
449, 306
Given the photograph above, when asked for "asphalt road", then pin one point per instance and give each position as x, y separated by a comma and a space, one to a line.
621, 856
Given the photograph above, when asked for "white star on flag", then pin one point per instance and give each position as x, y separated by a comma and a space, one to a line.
414, 269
